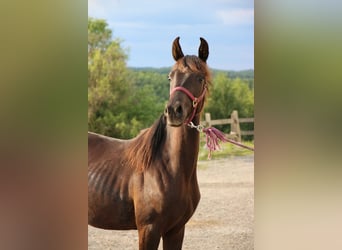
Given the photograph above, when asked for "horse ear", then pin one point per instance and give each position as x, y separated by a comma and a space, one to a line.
203, 51
177, 52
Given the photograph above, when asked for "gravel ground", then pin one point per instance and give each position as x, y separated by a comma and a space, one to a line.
224, 217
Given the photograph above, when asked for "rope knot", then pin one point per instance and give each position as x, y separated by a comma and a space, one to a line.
213, 136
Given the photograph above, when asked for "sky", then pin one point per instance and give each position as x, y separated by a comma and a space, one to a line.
148, 28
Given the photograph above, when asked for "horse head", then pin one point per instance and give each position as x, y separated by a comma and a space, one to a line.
189, 79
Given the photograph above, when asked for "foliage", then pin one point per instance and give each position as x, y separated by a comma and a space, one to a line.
99, 36
158, 82
230, 94
108, 81
246, 75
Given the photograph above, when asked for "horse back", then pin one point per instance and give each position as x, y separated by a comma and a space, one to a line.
102, 147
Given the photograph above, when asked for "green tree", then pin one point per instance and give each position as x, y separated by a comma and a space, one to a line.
108, 80
145, 107
99, 36
120, 102
228, 95
159, 83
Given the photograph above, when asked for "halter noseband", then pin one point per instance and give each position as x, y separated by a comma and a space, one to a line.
195, 100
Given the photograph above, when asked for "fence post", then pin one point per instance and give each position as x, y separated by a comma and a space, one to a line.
207, 119
235, 126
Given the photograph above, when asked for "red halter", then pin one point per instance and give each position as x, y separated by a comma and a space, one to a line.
195, 100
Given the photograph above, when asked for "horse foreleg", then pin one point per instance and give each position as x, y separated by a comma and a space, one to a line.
173, 239
149, 238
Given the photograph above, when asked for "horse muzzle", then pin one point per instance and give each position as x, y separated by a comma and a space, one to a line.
175, 114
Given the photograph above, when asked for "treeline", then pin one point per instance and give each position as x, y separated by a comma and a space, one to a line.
122, 100
247, 75
244, 74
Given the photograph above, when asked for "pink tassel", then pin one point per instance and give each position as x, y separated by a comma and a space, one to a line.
213, 136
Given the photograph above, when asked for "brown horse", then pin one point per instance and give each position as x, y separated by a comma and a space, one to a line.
149, 183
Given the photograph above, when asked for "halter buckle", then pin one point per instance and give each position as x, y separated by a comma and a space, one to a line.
195, 103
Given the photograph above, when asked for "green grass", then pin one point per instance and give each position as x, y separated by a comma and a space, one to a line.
227, 150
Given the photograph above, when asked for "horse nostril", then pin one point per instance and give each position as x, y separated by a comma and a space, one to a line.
178, 110
174, 110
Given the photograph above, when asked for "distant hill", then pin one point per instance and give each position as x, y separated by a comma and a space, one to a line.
164, 70
243, 74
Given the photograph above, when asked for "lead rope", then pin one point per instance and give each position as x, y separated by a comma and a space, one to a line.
213, 136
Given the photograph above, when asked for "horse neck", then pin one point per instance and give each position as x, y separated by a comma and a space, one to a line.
183, 146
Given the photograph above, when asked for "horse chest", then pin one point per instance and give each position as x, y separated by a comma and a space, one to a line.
171, 199
181, 207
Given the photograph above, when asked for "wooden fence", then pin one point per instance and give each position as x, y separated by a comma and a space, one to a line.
234, 121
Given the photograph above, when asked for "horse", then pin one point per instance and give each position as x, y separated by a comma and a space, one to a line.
149, 183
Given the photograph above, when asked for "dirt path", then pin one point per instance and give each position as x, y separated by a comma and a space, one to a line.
223, 220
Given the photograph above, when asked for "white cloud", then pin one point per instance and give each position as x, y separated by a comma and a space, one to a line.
235, 17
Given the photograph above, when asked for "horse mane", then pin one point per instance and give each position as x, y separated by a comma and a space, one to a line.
144, 149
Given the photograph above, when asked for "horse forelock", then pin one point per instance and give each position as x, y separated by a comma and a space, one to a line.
193, 64
145, 148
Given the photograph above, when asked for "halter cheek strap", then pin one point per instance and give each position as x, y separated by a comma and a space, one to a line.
195, 100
